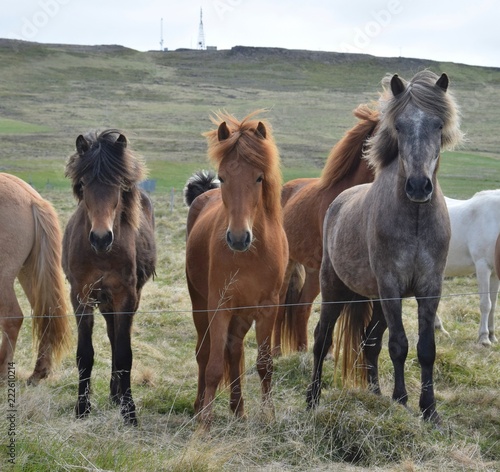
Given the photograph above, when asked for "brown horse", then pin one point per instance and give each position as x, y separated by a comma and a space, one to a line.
389, 239
305, 202
108, 255
236, 257
35, 259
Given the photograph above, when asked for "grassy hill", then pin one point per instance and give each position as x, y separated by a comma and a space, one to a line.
49, 94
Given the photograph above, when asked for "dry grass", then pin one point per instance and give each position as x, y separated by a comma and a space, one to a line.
351, 430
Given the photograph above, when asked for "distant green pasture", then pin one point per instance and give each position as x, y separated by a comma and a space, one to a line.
8, 126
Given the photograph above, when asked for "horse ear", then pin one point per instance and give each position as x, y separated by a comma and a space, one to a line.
223, 132
261, 130
82, 146
443, 82
397, 85
122, 139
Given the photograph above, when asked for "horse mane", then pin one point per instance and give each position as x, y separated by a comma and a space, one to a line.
422, 91
344, 158
106, 158
246, 142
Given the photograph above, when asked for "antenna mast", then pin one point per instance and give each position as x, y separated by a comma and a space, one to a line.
201, 34
161, 35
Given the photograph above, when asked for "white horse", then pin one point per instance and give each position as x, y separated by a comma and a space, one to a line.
475, 227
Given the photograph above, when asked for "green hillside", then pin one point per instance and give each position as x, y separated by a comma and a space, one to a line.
51, 93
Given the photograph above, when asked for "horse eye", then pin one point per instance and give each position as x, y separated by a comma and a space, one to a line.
260, 179
221, 180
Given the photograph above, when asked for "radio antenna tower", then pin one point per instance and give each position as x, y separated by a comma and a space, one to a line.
201, 34
161, 35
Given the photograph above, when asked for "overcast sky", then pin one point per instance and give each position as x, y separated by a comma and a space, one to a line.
457, 31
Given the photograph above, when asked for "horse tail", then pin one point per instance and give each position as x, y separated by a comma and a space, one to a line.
348, 336
44, 284
200, 182
289, 337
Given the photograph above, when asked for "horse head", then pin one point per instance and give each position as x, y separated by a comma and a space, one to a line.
242, 192
101, 199
418, 129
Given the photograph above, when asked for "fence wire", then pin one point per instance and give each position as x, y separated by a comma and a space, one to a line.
250, 307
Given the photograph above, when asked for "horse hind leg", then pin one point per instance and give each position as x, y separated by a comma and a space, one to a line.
494, 287
263, 330
484, 277
372, 346
11, 320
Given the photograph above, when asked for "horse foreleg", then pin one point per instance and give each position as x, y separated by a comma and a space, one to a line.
219, 326
373, 345
115, 393
263, 330
238, 328
84, 359
426, 351
202, 353
123, 364
398, 342
11, 320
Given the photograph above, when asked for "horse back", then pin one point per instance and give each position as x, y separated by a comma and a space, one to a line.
201, 204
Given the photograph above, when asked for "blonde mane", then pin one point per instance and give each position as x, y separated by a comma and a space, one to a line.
245, 142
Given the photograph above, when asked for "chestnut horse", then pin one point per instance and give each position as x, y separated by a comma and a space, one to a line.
305, 202
389, 239
236, 257
30, 241
108, 255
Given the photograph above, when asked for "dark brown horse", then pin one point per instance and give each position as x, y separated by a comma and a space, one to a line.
30, 241
305, 202
389, 239
236, 257
108, 255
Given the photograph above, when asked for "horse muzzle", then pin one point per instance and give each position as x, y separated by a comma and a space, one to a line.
419, 189
239, 242
101, 243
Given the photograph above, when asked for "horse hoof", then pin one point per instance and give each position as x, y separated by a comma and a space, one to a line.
493, 338
82, 409
484, 340
127, 411
115, 399
33, 381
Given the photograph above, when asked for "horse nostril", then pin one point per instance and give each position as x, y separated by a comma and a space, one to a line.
248, 239
428, 186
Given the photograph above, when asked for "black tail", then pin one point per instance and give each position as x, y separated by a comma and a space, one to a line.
200, 182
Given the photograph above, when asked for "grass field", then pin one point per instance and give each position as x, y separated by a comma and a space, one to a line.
50, 94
